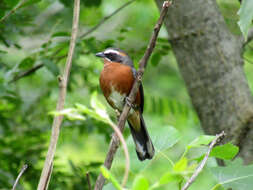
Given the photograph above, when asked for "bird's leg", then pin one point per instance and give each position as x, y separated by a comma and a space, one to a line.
128, 102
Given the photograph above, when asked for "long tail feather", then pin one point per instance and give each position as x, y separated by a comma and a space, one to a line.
143, 143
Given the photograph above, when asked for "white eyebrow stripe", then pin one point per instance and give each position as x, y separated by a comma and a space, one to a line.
111, 51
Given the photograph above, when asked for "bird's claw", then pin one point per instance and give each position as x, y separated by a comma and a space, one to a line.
128, 102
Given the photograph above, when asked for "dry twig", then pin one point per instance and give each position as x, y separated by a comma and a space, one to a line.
203, 162
121, 123
19, 176
63, 82
27, 73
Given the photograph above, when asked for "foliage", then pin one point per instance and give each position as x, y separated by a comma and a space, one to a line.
37, 35
246, 16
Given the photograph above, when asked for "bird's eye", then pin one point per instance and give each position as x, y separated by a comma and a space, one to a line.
111, 56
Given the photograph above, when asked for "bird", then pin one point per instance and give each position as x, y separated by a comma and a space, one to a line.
116, 81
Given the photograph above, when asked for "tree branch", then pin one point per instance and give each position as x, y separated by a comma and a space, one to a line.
106, 18
88, 180
63, 82
121, 123
20, 4
19, 176
203, 162
27, 73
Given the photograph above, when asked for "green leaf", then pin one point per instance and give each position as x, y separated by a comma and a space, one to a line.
236, 176
60, 34
246, 16
156, 58
201, 140
227, 151
70, 113
170, 177
140, 183
109, 186
165, 137
181, 165
99, 107
92, 113
27, 63
108, 175
11, 3
51, 67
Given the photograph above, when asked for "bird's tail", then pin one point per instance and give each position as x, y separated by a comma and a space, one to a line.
143, 143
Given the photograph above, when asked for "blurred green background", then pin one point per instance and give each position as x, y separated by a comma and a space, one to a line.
38, 33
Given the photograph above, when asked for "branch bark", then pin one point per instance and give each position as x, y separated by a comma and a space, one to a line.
63, 82
121, 123
212, 67
19, 176
203, 162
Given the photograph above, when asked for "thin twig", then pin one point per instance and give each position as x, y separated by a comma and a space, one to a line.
88, 180
123, 142
34, 69
203, 162
19, 176
106, 18
121, 123
20, 4
63, 82
27, 73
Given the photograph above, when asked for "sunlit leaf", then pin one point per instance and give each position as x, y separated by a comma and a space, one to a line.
170, 177
70, 113
108, 175
181, 165
140, 183
227, 151
201, 140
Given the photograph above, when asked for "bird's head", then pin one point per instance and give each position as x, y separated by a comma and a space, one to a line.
115, 55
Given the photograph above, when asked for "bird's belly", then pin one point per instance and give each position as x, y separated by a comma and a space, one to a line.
117, 99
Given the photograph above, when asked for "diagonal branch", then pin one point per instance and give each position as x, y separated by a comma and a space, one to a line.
203, 162
121, 123
63, 82
27, 73
106, 18
19, 176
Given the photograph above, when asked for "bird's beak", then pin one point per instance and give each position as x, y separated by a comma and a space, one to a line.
100, 54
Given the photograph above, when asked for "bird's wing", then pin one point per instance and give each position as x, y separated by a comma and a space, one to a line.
141, 91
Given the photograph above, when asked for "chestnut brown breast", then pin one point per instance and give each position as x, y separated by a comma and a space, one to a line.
116, 81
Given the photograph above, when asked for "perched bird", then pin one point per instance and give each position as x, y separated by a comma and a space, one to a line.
116, 81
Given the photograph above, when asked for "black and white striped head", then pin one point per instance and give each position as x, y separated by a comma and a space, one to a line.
115, 55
